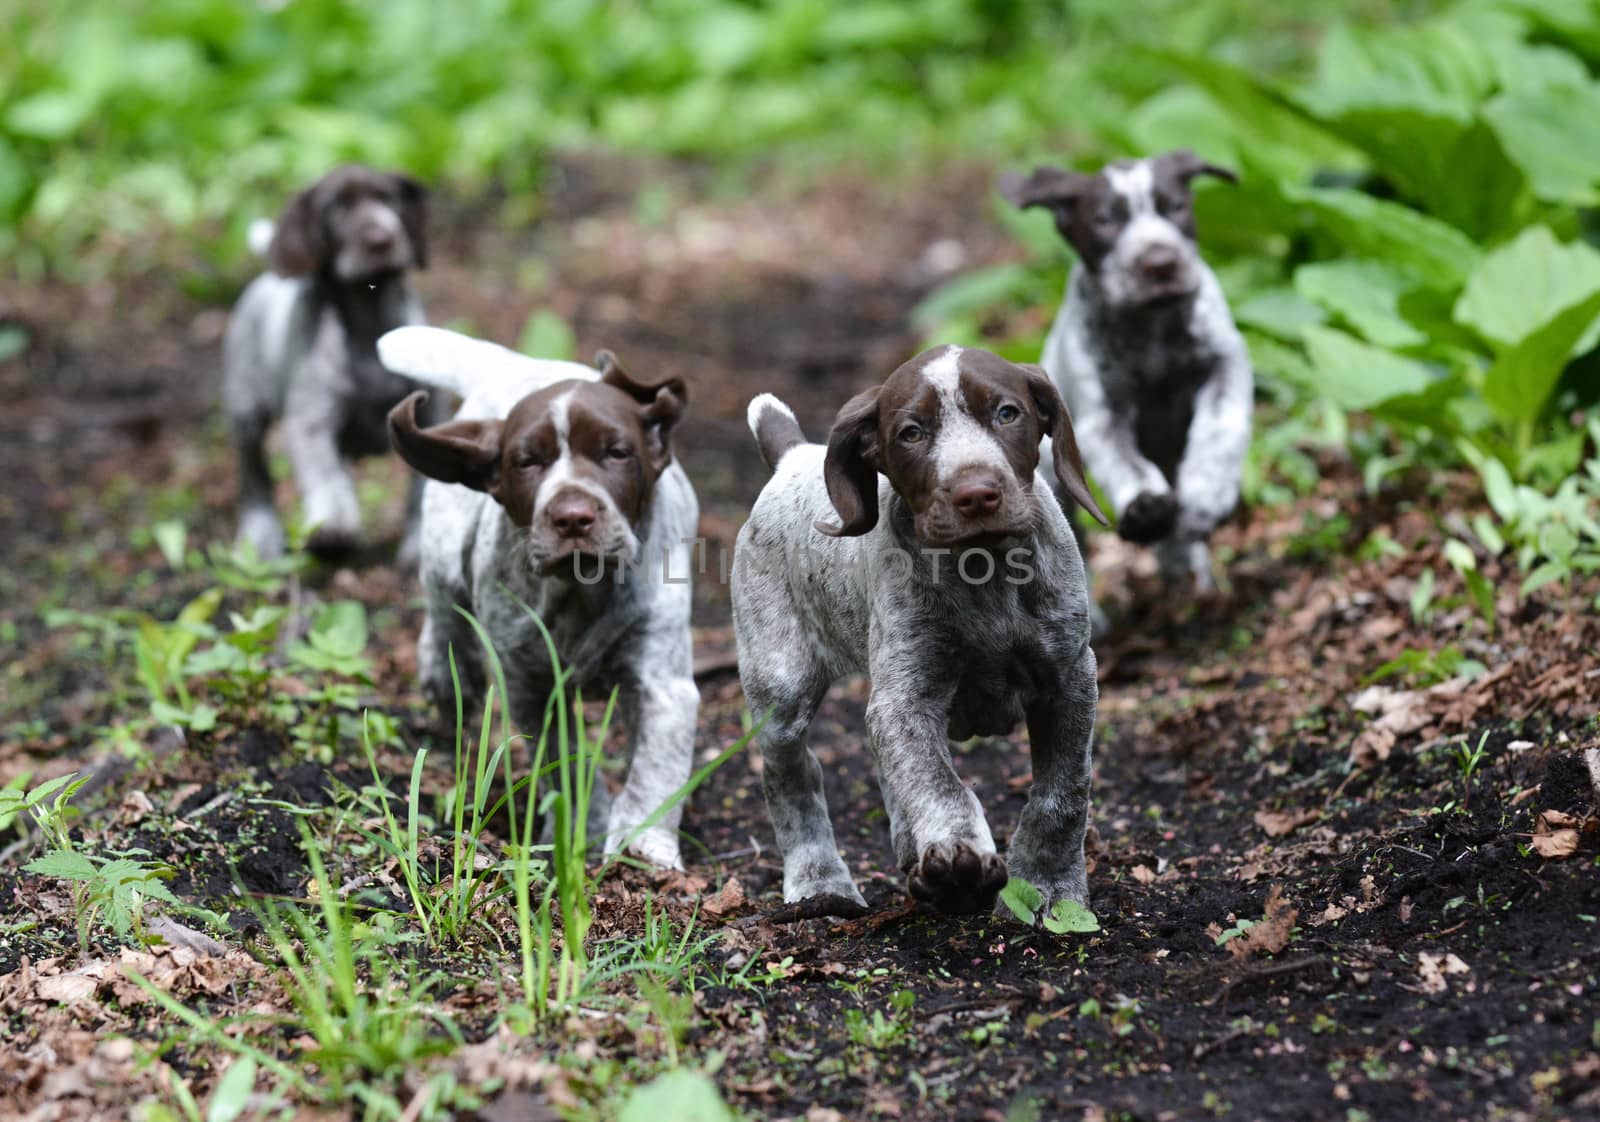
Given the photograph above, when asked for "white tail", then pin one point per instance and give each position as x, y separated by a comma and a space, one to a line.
490, 378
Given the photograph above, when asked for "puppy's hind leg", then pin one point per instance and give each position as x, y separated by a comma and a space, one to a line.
258, 514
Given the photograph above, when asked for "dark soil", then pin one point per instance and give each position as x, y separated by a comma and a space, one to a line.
1211, 713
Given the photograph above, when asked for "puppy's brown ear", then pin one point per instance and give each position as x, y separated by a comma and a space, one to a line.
1055, 188
413, 215
1183, 165
465, 452
299, 245
851, 467
662, 405
1057, 424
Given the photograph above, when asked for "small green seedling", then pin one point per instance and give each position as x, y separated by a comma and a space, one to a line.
1024, 900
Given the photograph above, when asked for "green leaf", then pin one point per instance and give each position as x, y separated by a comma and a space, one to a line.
678, 1096
1520, 382
233, 1091
64, 864
1438, 253
1525, 284
1357, 375
1070, 917
1551, 135
547, 335
1281, 312
1366, 295
340, 629
52, 115
1022, 898
171, 537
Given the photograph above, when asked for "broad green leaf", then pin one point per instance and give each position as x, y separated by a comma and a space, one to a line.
547, 335
1551, 134
1438, 253
973, 292
1525, 284
1520, 382
1070, 917
52, 115
171, 537
1366, 295
1357, 375
233, 1091
340, 628
679, 1096
1022, 899
1280, 312
64, 864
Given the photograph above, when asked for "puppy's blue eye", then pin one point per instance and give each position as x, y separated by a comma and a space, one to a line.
912, 434
1007, 414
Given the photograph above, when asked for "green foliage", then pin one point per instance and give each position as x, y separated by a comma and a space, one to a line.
682, 1095
1419, 668
1024, 900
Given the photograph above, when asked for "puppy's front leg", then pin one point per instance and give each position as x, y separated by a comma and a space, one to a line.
1213, 455
661, 715
1047, 849
313, 416
940, 835
258, 513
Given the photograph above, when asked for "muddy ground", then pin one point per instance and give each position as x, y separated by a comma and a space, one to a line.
1432, 944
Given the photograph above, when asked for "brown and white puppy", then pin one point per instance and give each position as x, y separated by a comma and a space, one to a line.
946, 572
302, 346
1146, 352
554, 490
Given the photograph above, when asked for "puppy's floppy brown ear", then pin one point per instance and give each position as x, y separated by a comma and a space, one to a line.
1057, 424
662, 405
1184, 165
851, 467
465, 452
299, 246
1045, 186
413, 215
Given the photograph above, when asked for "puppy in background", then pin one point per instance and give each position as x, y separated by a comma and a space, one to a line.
1146, 352
301, 346
554, 490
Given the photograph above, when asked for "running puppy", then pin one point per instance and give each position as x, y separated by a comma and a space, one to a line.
554, 490
1145, 350
918, 548
301, 346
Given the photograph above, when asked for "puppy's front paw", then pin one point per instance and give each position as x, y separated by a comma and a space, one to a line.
333, 542
1149, 517
957, 879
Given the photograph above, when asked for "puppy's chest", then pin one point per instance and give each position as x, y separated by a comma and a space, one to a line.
1156, 382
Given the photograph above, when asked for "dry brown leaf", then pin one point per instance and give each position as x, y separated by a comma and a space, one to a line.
1144, 874
1433, 969
1272, 934
730, 898
1556, 844
1282, 823
67, 989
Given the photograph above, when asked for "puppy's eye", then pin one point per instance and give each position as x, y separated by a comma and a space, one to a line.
529, 460
619, 452
1007, 414
912, 434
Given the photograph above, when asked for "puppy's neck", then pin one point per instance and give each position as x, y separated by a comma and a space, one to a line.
1158, 319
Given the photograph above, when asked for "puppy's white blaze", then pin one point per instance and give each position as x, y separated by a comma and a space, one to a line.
759, 405
962, 441
562, 477
1135, 184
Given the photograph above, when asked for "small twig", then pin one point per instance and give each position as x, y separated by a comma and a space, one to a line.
1201, 1051
209, 807
1261, 973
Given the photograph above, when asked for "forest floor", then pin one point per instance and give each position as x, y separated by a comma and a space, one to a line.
1414, 936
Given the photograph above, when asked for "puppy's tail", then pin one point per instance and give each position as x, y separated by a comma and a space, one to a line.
774, 427
259, 236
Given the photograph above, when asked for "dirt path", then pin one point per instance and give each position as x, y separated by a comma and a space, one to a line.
1412, 953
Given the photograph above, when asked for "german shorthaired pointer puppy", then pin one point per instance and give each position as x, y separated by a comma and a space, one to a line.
919, 549
302, 346
554, 489
1146, 352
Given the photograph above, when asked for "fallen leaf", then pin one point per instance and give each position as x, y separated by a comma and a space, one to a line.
1272, 934
1433, 969
729, 898
1281, 823
1556, 845
1144, 874
68, 989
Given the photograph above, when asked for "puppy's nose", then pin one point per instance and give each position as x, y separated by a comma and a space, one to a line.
1159, 262
572, 515
378, 238
976, 497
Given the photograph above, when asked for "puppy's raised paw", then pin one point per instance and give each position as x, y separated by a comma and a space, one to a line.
333, 543
957, 879
1149, 517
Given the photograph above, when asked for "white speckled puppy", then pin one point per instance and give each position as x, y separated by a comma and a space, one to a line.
1146, 352
555, 487
952, 579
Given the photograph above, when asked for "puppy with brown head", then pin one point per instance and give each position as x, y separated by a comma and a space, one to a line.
921, 547
554, 491
302, 346
1145, 350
